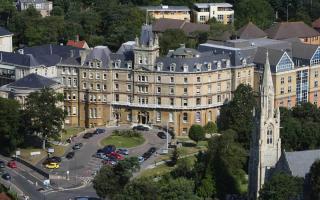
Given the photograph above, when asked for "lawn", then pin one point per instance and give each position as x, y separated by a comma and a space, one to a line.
123, 141
70, 131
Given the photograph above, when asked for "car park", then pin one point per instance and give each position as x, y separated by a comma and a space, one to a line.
146, 155
12, 164
115, 156
53, 166
141, 128
99, 131
99, 155
123, 151
2, 164
77, 146
6, 176
162, 135
87, 135
70, 155
152, 150
109, 162
107, 149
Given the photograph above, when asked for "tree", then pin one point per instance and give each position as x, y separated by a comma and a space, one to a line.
171, 39
210, 128
46, 117
237, 114
207, 188
258, 12
196, 133
10, 136
106, 182
281, 187
180, 188
314, 180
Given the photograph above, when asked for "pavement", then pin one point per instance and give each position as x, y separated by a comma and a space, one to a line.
81, 168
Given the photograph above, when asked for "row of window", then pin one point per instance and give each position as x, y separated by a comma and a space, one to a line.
90, 75
70, 82
90, 86
185, 117
69, 70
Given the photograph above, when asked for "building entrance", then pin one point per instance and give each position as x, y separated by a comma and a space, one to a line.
143, 117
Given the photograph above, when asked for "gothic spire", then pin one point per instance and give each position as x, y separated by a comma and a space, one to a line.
267, 78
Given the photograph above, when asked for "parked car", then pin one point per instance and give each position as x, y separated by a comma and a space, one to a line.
99, 131
52, 165
77, 146
100, 155
152, 150
87, 135
115, 155
70, 155
55, 159
146, 155
6, 176
123, 151
141, 128
140, 159
108, 149
109, 162
12, 164
162, 135
2, 164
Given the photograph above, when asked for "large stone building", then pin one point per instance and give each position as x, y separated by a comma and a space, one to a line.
136, 85
43, 6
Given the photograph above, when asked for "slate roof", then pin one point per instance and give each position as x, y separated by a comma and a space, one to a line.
26, 60
101, 53
33, 81
146, 35
300, 161
250, 31
316, 23
183, 51
274, 57
51, 49
163, 24
304, 51
76, 61
127, 49
284, 30
4, 32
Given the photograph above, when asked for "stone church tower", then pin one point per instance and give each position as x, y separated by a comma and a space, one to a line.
265, 146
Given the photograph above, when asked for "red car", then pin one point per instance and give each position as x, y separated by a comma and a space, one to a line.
12, 164
116, 156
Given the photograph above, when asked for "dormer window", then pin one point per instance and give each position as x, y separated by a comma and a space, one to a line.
91, 64
172, 67
198, 66
98, 64
209, 66
117, 64
159, 66
219, 65
129, 65
185, 68
228, 63
244, 61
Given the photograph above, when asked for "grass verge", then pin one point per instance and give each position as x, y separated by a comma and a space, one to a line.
122, 141
70, 131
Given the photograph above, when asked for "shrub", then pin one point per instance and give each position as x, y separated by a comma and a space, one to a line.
126, 133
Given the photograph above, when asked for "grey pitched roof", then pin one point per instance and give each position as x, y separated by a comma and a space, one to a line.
304, 51
250, 31
284, 30
271, 43
127, 49
146, 35
101, 53
4, 32
274, 57
71, 61
203, 59
300, 161
33, 81
26, 60
52, 49
183, 51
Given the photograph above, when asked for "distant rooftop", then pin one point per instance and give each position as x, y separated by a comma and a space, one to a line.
165, 8
33, 81
250, 31
206, 5
4, 32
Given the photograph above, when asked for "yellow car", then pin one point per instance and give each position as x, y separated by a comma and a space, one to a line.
52, 166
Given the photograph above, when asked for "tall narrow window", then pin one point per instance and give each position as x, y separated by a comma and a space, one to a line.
269, 136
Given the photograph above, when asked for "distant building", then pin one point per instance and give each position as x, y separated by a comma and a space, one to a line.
5, 40
250, 31
286, 30
20, 89
78, 44
43, 6
169, 12
222, 12
161, 25
316, 24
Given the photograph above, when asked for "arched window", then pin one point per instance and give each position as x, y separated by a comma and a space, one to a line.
269, 136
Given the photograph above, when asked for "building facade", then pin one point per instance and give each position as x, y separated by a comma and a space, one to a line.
5, 40
169, 12
265, 145
43, 6
138, 86
222, 12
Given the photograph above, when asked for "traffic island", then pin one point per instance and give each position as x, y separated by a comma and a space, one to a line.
124, 139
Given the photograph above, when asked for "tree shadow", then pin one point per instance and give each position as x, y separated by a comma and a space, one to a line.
188, 144
31, 141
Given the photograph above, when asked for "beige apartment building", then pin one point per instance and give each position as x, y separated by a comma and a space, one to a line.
222, 12
168, 12
137, 86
